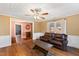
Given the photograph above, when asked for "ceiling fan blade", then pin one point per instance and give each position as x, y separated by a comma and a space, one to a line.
32, 10
27, 15
44, 14
42, 17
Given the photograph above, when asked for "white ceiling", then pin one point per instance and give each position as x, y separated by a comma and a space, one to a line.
55, 10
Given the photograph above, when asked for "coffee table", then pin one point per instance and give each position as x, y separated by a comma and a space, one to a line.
42, 46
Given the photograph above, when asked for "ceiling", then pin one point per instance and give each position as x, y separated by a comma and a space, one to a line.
55, 10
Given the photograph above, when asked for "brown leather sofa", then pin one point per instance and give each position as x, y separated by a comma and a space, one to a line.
46, 37
58, 40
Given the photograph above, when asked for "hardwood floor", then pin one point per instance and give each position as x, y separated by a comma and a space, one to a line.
24, 48
70, 52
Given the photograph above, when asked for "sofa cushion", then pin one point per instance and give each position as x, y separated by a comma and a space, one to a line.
47, 34
58, 39
58, 35
55, 42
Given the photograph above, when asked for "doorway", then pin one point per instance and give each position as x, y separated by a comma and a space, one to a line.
21, 31
18, 33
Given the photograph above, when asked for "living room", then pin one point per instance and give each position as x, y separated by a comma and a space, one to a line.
23, 24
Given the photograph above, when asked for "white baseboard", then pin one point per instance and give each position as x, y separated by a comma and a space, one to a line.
73, 41
5, 41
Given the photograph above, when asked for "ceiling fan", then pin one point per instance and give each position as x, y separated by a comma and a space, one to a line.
37, 13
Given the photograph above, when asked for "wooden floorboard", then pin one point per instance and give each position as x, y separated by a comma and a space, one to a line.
24, 48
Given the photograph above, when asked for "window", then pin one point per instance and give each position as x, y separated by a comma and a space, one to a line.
58, 26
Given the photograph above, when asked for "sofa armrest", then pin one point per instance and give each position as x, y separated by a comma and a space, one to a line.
64, 42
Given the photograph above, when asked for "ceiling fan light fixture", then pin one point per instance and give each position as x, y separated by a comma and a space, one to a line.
36, 17
38, 14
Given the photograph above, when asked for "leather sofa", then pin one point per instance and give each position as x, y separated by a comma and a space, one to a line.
58, 40
46, 37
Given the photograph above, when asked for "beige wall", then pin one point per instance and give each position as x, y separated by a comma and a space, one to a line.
72, 25
43, 26
4, 25
37, 27
40, 26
